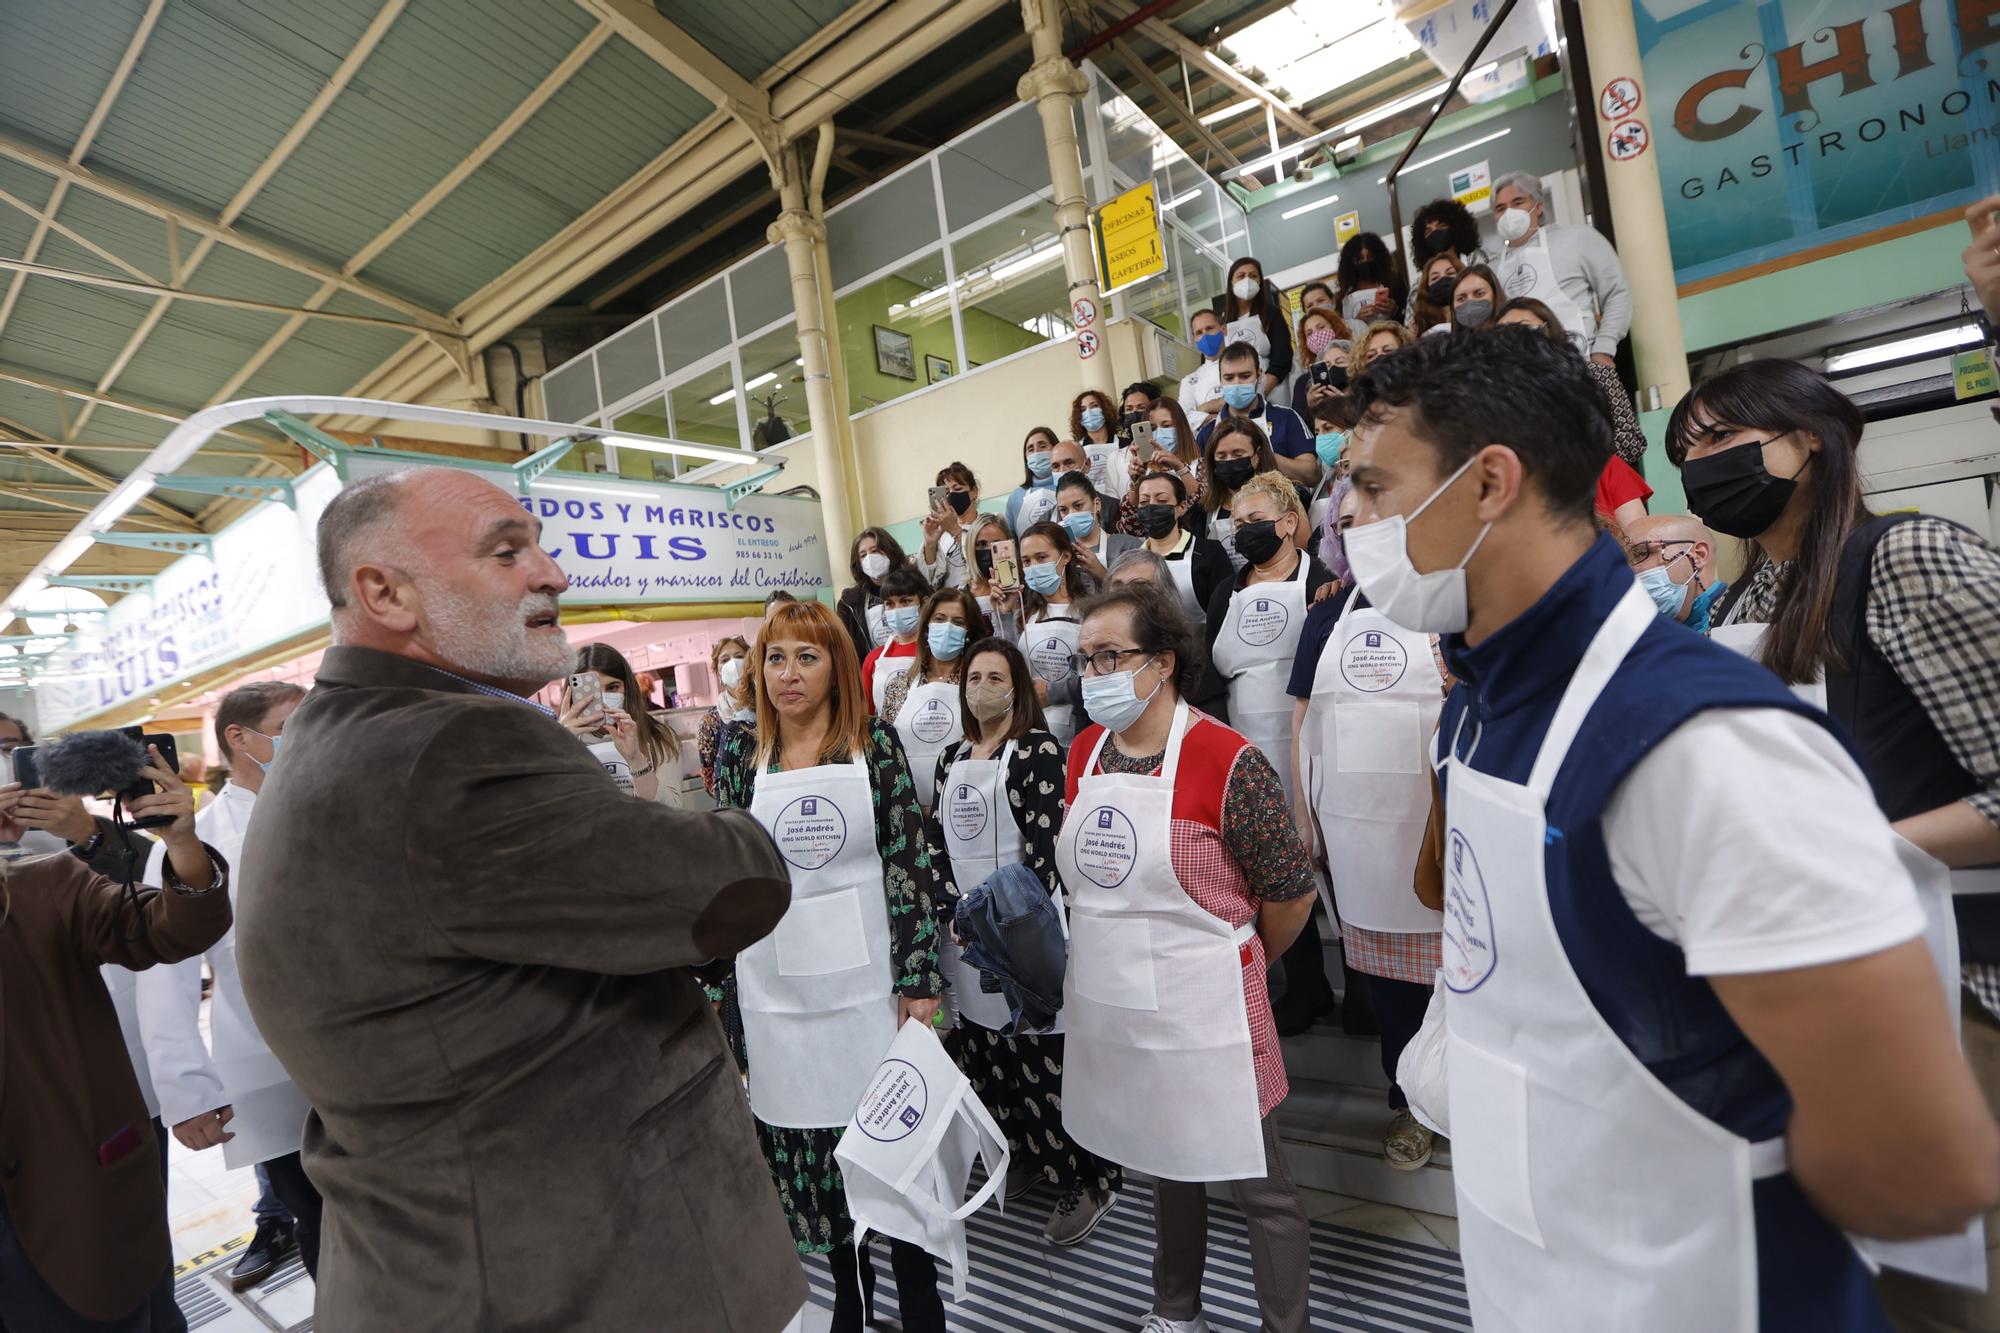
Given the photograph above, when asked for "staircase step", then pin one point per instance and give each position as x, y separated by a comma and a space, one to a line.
1332, 1136
1325, 1054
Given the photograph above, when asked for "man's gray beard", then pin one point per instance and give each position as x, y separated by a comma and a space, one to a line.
485, 639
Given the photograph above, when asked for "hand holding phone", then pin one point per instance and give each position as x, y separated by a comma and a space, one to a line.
1006, 565
583, 712
1142, 440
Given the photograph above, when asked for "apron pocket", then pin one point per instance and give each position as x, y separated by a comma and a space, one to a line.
1111, 959
822, 935
1489, 1158
1379, 736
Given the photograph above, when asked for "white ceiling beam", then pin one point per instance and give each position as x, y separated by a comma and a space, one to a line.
9, 375
104, 482
592, 42
88, 135
75, 237
669, 46
1173, 105
1174, 40
166, 293
336, 83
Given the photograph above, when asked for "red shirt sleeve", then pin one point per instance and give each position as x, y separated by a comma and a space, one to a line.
1080, 751
1617, 484
875, 655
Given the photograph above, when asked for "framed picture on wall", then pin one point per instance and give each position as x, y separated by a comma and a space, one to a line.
895, 353
936, 368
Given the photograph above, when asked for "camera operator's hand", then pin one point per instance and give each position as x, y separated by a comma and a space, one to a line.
11, 827
186, 856
63, 816
206, 1130
1982, 257
583, 717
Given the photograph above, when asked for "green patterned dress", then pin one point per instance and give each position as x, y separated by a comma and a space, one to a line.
801, 1160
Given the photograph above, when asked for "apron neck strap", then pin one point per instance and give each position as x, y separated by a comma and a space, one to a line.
1608, 648
1170, 762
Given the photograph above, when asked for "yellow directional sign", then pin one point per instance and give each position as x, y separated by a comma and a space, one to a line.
1130, 246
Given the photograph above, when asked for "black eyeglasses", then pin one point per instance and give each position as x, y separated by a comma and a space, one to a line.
1639, 553
1105, 660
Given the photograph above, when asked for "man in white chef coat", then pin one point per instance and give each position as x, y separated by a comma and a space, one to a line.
237, 1096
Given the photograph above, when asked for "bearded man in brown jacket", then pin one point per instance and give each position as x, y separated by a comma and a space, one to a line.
469, 951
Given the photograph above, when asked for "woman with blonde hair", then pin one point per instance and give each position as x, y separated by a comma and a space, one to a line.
735, 699
1381, 338
854, 957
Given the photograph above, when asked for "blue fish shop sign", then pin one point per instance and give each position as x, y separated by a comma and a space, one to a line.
1794, 124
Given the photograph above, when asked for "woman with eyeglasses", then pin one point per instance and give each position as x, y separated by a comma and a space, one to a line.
1184, 876
922, 703
855, 956
1001, 803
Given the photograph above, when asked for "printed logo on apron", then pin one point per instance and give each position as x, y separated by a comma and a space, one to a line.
1373, 661
1050, 658
895, 1102
1107, 847
810, 832
967, 810
1469, 952
933, 722
1262, 621
1522, 280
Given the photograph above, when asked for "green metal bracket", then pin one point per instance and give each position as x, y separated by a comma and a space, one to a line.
21, 640
308, 437
530, 469
736, 490
174, 543
105, 582
232, 488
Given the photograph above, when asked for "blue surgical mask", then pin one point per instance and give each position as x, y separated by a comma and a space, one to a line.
1209, 345
1079, 525
1666, 594
1166, 437
946, 639
1093, 418
1239, 396
1329, 445
1041, 464
1113, 701
900, 619
1044, 578
263, 766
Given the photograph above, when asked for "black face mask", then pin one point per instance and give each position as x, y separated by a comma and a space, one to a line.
1439, 291
1258, 542
960, 501
983, 557
1156, 520
1233, 472
1732, 493
1436, 242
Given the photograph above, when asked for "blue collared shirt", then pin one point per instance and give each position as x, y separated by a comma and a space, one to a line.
496, 692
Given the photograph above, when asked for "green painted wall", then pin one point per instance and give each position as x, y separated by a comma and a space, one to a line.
1661, 475
987, 338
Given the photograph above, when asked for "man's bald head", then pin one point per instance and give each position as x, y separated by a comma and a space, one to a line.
441, 565
1672, 532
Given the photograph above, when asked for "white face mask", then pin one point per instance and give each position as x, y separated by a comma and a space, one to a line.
874, 564
1514, 223
732, 672
1379, 555
614, 699
1246, 289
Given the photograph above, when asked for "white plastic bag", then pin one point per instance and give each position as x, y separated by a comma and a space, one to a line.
907, 1153
1420, 1070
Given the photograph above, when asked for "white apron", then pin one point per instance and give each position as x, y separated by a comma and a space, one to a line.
1548, 1106
1181, 571
981, 835
615, 764
878, 626
270, 1112
1254, 649
1527, 270
1747, 638
1047, 644
1038, 504
818, 993
1222, 528
1104, 465
927, 723
886, 668
1375, 704
907, 1154
1158, 1072
1249, 329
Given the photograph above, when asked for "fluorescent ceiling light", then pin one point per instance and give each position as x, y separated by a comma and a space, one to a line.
68, 550
1439, 157
1040, 257
1180, 199
1233, 109
585, 490
763, 379
1307, 208
1311, 47
728, 394
1938, 340
1395, 108
123, 499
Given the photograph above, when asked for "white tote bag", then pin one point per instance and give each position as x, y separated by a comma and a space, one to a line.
907, 1154
1420, 1068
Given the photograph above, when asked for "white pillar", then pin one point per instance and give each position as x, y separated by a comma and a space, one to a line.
1054, 84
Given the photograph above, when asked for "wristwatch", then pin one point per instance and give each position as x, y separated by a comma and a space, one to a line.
174, 882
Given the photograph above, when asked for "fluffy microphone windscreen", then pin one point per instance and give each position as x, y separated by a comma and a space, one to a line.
88, 763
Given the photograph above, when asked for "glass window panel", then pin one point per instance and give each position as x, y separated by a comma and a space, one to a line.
1011, 287
1131, 141
1189, 198
628, 362
774, 360
569, 392
585, 457
897, 219
704, 409
762, 289
1200, 279
888, 327
1158, 299
990, 169
695, 326
648, 418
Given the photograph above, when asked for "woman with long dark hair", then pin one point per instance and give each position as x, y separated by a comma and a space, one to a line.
922, 701
1035, 498
1897, 617
1368, 282
1001, 803
872, 556
1056, 582
653, 750
1236, 451
1093, 423
1253, 312
1176, 449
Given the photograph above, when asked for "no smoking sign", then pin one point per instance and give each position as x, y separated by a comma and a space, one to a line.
1619, 99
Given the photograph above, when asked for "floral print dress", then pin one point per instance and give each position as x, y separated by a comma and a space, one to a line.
801, 1160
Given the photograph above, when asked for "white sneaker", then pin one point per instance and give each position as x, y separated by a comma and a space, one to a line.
1158, 1323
